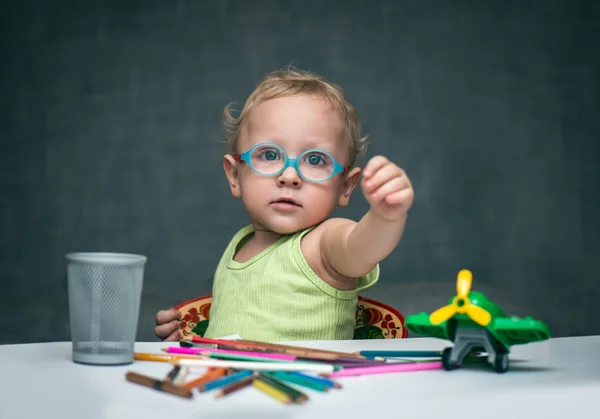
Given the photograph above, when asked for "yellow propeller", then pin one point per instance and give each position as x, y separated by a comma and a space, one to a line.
461, 303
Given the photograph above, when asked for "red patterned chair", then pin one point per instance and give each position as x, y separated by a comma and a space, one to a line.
374, 320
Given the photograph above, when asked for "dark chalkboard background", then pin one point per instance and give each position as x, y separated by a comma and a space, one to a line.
110, 141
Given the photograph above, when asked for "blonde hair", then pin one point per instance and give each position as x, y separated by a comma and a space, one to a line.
291, 81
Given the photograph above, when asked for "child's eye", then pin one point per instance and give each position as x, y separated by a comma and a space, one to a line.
315, 159
270, 154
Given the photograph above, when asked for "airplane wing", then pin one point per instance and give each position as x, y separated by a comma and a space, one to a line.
420, 325
517, 331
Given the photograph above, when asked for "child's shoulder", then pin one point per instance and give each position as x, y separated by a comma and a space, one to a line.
328, 231
313, 246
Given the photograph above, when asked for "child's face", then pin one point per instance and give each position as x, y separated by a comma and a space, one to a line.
294, 123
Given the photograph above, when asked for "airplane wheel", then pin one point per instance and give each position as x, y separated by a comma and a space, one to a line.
446, 363
501, 363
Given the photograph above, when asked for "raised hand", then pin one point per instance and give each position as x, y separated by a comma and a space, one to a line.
387, 188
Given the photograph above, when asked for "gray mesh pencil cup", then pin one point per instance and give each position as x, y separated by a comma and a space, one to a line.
105, 290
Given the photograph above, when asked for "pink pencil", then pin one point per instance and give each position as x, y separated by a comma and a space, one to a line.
184, 351
203, 351
383, 369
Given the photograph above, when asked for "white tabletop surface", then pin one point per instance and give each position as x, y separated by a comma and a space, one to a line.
553, 379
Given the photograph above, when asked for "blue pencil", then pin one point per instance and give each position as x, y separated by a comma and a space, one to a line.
223, 381
402, 354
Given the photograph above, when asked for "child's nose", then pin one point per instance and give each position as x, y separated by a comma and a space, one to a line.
289, 177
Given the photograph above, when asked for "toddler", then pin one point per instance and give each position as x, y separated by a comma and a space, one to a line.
294, 273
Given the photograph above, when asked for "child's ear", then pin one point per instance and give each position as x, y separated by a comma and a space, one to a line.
350, 183
231, 171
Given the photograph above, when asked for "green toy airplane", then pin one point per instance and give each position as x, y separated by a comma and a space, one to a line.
475, 324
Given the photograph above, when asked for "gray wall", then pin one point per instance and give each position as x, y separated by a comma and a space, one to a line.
110, 141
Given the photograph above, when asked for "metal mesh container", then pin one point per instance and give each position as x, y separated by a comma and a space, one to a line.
105, 290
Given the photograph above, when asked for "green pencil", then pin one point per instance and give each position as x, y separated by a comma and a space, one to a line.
235, 357
297, 396
300, 381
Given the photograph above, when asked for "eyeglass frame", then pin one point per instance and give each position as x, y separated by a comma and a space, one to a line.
291, 162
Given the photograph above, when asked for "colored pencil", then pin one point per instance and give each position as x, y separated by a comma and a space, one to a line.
238, 385
298, 353
140, 356
300, 381
350, 364
207, 352
220, 355
388, 368
211, 374
189, 344
274, 392
297, 396
172, 374
271, 347
182, 351
181, 376
259, 366
321, 380
224, 381
158, 385
402, 354
284, 347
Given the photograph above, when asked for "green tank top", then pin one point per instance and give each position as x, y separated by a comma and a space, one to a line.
276, 296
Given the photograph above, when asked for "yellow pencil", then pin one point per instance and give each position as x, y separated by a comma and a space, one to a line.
140, 356
272, 391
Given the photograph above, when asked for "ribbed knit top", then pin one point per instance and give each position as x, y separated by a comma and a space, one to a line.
276, 296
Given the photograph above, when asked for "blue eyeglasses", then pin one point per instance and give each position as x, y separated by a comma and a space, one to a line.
314, 165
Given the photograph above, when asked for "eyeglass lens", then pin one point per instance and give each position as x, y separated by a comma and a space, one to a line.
312, 164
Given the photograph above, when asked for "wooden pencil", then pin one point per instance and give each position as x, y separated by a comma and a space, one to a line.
272, 347
172, 374
321, 380
238, 385
300, 381
158, 385
211, 374
141, 356
297, 396
282, 346
402, 354
225, 381
274, 392
258, 366
295, 352
181, 376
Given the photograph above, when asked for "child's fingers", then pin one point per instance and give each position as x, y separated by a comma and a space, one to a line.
165, 316
398, 197
394, 185
165, 330
174, 337
383, 175
374, 165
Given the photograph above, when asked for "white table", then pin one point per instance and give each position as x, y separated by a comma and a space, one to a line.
553, 379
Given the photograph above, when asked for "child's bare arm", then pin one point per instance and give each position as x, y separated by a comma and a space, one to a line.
352, 249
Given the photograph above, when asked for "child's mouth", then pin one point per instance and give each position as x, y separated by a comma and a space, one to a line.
286, 203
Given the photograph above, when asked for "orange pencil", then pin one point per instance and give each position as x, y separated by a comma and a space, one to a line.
210, 375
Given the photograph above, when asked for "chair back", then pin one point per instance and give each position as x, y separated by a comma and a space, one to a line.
374, 320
